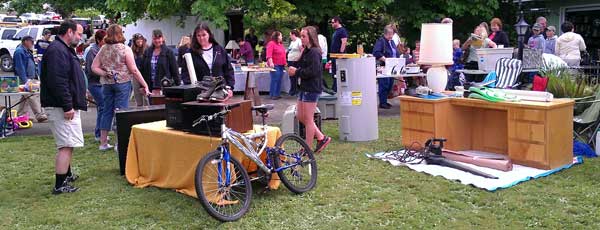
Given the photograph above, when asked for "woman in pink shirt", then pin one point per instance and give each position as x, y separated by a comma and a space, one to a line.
276, 59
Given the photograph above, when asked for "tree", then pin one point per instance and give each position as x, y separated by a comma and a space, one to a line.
63, 7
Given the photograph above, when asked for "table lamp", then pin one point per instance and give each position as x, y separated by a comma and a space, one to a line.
436, 50
232, 45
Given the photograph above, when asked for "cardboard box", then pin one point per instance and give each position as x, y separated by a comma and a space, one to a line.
9, 84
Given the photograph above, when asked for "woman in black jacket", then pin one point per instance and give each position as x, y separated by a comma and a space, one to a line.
310, 75
498, 36
210, 58
158, 63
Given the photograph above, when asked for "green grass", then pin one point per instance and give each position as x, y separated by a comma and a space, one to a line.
353, 192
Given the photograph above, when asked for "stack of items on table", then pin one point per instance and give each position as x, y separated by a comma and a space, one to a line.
186, 103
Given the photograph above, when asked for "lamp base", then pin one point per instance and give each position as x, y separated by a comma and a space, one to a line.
437, 78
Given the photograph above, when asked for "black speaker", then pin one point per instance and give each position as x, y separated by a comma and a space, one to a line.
125, 118
174, 97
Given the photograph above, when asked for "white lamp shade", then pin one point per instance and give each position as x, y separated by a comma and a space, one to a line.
436, 44
232, 45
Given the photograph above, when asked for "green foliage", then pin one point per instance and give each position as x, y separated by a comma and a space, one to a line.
565, 83
86, 13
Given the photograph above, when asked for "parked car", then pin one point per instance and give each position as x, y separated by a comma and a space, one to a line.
28, 17
13, 21
100, 22
8, 47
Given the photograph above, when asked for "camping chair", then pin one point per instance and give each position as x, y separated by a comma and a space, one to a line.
506, 73
586, 124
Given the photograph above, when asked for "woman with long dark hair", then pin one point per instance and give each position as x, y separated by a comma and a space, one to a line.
159, 62
211, 60
138, 46
310, 73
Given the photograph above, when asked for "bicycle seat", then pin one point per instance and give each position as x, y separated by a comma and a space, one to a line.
263, 108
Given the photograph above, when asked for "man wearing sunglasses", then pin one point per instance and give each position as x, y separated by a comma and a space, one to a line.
338, 43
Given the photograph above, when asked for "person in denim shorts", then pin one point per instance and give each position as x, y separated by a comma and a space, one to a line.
309, 73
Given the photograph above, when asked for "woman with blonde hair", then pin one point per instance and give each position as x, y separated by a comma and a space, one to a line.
115, 65
310, 74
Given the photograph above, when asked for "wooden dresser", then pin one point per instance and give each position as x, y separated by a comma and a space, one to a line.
535, 134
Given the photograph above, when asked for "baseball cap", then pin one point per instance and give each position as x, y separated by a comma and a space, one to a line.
46, 31
27, 38
157, 33
536, 26
552, 28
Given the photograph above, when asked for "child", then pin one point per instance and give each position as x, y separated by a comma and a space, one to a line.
457, 55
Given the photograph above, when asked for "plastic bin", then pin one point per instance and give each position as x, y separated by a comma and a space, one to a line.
327, 106
489, 56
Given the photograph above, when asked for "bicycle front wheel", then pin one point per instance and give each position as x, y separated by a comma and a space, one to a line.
224, 194
297, 164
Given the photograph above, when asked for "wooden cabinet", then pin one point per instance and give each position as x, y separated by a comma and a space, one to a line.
534, 134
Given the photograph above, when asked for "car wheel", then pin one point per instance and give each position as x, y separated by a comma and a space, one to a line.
6, 63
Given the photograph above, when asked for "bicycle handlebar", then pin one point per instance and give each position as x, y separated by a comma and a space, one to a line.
207, 118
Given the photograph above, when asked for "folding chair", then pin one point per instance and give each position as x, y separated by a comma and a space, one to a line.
586, 124
504, 76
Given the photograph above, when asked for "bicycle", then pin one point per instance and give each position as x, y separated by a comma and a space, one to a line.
224, 187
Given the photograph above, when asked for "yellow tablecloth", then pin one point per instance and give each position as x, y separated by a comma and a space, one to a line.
166, 158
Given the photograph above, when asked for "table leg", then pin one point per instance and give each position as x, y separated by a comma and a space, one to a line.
246, 88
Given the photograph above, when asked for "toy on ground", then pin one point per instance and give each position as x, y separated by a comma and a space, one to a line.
20, 122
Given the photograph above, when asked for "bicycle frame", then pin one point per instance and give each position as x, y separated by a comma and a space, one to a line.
248, 147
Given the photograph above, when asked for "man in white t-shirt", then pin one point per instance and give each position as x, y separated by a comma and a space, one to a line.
294, 52
323, 45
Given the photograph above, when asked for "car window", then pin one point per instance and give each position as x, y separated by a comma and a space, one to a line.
8, 34
22, 33
11, 19
33, 33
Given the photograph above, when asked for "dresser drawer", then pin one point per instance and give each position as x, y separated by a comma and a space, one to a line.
528, 115
524, 151
418, 121
417, 107
527, 131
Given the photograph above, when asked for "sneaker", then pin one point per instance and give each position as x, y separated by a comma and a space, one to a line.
65, 188
98, 138
42, 118
105, 147
72, 178
322, 144
384, 106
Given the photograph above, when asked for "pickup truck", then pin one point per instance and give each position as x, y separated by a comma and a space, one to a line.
8, 47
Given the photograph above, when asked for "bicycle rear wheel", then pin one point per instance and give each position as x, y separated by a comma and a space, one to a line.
223, 202
300, 173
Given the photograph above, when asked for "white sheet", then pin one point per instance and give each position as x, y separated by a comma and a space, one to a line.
505, 179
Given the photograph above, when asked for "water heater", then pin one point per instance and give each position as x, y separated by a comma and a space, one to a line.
357, 99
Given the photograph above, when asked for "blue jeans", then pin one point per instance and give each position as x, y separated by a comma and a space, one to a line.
96, 91
385, 85
275, 88
116, 96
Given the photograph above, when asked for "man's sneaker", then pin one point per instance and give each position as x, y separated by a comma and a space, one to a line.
65, 188
41, 118
72, 178
105, 147
322, 144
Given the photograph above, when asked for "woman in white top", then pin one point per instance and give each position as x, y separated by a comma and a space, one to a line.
294, 52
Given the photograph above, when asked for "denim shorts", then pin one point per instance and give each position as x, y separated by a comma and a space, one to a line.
308, 96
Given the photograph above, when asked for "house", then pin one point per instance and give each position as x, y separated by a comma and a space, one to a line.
172, 31
584, 14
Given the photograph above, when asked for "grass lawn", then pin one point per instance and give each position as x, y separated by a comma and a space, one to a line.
353, 192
